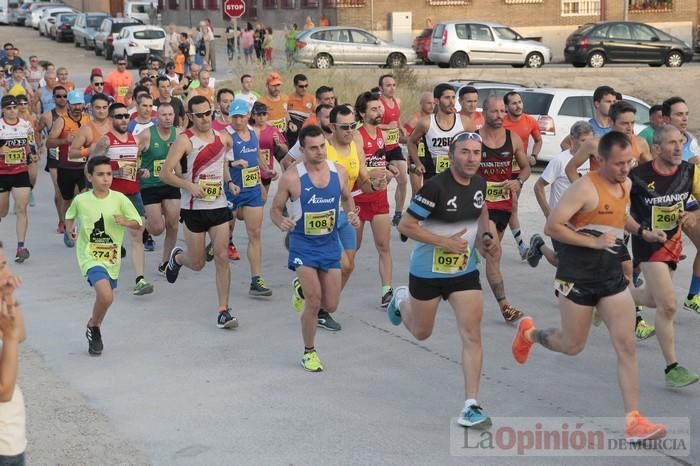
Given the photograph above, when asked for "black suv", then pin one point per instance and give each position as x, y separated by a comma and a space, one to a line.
596, 44
108, 30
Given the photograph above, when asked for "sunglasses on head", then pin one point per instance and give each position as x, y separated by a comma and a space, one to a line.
466, 136
347, 126
202, 114
121, 116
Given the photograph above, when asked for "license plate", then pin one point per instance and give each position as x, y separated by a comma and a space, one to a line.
571, 48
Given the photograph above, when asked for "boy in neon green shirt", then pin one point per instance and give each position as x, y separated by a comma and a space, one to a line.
103, 215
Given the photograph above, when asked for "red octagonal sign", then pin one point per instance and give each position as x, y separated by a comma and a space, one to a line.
234, 8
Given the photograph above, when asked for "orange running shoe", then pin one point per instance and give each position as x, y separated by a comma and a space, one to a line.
233, 253
521, 345
639, 428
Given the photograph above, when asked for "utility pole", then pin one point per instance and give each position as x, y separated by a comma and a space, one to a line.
626, 10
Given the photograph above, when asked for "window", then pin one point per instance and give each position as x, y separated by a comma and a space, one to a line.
462, 31
579, 107
310, 3
269, 4
480, 32
213, 5
619, 32
93, 21
580, 7
197, 4
507, 34
332, 35
344, 3
437, 32
288, 4
641, 32
518, 2
149, 34
650, 5
361, 37
536, 103
600, 33
448, 2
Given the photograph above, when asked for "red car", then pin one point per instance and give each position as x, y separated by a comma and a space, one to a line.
421, 44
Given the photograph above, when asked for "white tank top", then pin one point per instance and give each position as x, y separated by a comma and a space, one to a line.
437, 140
205, 166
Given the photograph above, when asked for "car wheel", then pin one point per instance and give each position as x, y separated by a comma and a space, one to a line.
578, 65
323, 61
86, 46
396, 60
534, 60
596, 60
459, 60
674, 59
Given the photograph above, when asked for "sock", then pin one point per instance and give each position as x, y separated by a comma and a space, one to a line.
470, 402
670, 367
386, 289
518, 237
253, 279
398, 213
694, 286
140, 277
20, 244
309, 350
322, 312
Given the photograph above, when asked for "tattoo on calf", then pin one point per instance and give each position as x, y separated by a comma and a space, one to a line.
499, 290
542, 337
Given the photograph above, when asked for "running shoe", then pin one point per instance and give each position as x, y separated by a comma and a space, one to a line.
32, 202
692, 304
173, 268
403, 238
511, 313
474, 416
392, 310
523, 251
226, 320
258, 288
680, 377
22, 255
534, 254
123, 252
67, 241
327, 322
94, 338
386, 299
639, 428
233, 253
644, 330
521, 345
397, 218
210, 252
149, 245
60, 228
142, 287
597, 320
297, 299
162, 267
638, 282
311, 363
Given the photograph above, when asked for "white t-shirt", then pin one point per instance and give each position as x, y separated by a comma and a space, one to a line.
13, 425
555, 175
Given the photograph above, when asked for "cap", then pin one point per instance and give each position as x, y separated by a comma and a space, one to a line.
238, 107
274, 79
8, 100
97, 71
259, 107
76, 97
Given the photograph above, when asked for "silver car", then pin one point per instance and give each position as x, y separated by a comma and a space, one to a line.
458, 44
337, 45
85, 28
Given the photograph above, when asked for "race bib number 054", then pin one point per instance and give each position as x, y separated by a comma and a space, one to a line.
497, 192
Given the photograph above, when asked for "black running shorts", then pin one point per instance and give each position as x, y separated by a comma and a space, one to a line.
425, 289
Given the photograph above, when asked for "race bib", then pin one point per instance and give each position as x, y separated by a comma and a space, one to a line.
280, 124
127, 170
211, 188
30, 138
157, 167
251, 177
497, 192
442, 163
105, 253
421, 150
392, 137
15, 156
122, 91
515, 165
319, 223
666, 218
448, 262
563, 287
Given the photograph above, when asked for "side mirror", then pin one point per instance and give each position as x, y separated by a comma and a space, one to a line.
655, 39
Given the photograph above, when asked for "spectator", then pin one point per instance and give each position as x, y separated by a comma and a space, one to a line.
208, 37
172, 41
324, 21
290, 46
259, 36
267, 47
309, 24
179, 64
248, 43
11, 60
230, 35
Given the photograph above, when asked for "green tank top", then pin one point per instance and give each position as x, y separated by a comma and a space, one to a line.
154, 157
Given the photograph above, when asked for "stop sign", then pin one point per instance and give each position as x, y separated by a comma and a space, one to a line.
234, 8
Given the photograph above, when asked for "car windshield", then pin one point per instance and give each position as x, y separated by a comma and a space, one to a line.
149, 34
536, 103
68, 19
504, 33
139, 8
438, 31
94, 21
116, 27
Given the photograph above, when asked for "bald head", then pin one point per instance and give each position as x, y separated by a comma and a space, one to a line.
494, 111
491, 101
427, 103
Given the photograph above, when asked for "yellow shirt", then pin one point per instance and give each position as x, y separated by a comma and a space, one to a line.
350, 162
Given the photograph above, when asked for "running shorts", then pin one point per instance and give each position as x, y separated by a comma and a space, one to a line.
395, 154
368, 210
589, 293
156, 194
18, 180
200, 221
68, 180
425, 289
500, 218
97, 273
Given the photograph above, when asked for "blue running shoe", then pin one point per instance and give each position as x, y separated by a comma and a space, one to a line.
67, 240
392, 310
474, 416
173, 268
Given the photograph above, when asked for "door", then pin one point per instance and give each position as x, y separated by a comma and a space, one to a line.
619, 45
365, 46
481, 44
508, 49
649, 48
336, 42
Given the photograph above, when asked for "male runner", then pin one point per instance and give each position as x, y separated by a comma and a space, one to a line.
16, 136
165, 96
394, 133
204, 208
161, 201
103, 215
469, 103
245, 167
119, 145
273, 145
25, 113
90, 132
604, 97
143, 119
122, 82
427, 108
499, 148
525, 127
276, 103
589, 221
300, 105
315, 188
325, 95
656, 120
448, 221
247, 93
660, 190
59, 108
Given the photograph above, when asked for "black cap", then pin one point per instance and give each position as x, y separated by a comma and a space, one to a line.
259, 107
8, 100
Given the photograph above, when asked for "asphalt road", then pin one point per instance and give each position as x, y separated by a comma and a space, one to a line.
171, 388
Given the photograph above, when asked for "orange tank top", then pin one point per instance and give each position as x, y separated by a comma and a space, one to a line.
610, 215
635, 149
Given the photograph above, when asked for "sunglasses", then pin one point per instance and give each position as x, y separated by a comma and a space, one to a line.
23, 103
60, 96
347, 126
202, 114
302, 86
121, 63
98, 84
466, 136
121, 116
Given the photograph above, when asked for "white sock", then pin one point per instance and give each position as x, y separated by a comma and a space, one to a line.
470, 402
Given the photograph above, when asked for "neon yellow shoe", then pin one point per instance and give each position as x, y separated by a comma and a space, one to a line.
297, 299
644, 330
692, 304
596, 318
311, 363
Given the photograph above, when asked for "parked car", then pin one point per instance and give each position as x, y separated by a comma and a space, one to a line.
48, 17
421, 44
458, 44
19, 15
596, 44
337, 45
62, 29
108, 31
85, 28
135, 43
138, 10
36, 10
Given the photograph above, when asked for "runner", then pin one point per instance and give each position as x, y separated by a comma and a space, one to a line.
122, 82
315, 188
276, 104
17, 148
165, 96
300, 105
224, 99
247, 93
447, 219
322, 118
91, 131
144, 118
469, 103
374, 206
70, 172
604, 97
395, 133
554, 175
499, 149
660, 189
656, 120
525, 127
102, 214
161, 201
25, 113
427, 108
273, 145
119, 145
325, 95
203, 204
589, 221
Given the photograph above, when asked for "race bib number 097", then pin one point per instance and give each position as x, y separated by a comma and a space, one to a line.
449, 262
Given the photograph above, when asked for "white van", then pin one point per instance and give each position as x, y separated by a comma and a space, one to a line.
5, 7
137, 10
